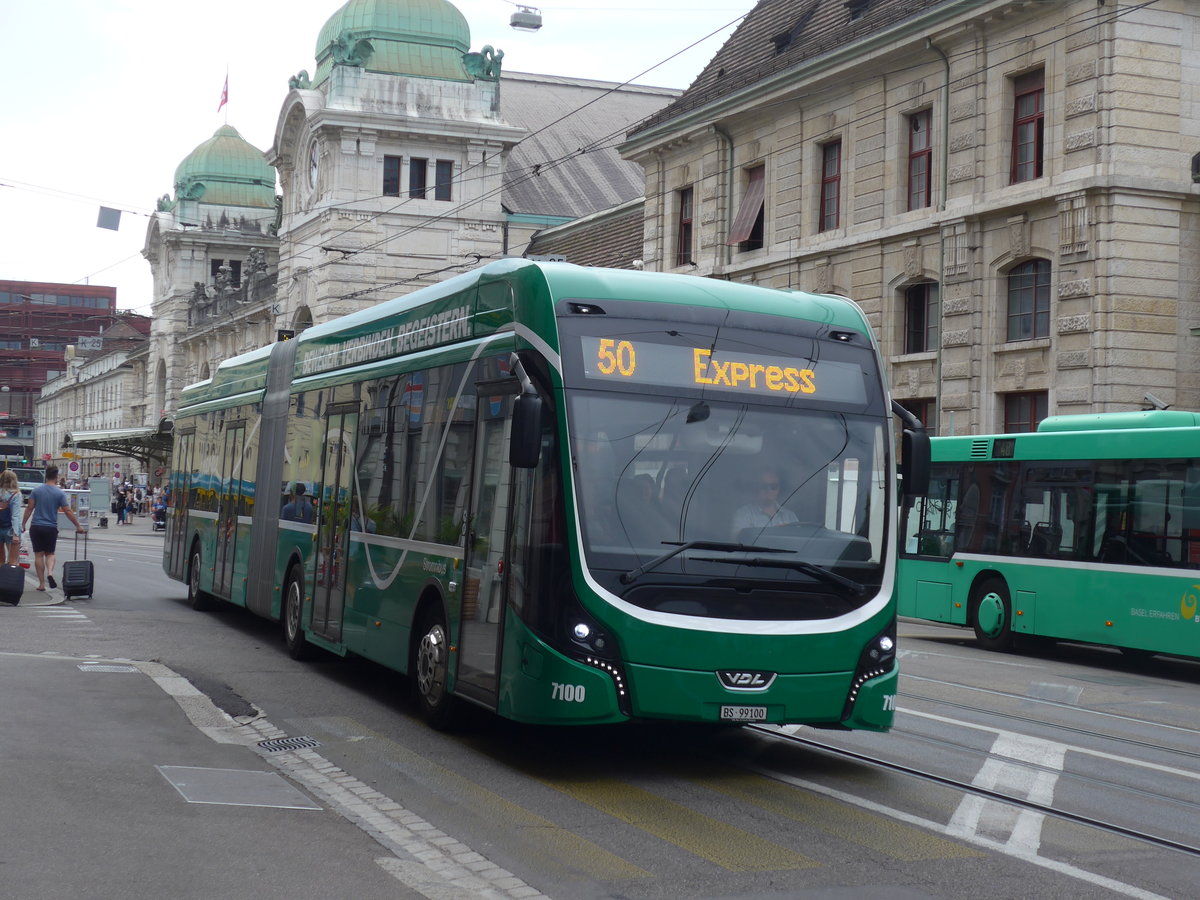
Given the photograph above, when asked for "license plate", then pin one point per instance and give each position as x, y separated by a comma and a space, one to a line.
743, 713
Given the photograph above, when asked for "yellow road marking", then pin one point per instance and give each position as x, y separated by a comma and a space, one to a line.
555, 842
729, 847
884, 836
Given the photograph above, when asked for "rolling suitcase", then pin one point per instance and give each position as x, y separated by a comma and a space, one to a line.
12, 584
78, 575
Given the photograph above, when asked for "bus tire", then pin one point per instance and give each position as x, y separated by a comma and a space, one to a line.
991, 611
197, 598
431, 669
291, 616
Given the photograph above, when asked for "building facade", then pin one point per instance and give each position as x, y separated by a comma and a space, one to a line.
213, 252
1005, 187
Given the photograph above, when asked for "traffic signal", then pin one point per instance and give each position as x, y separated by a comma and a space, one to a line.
285, 334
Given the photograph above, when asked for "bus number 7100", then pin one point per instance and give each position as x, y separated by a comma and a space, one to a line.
572, 693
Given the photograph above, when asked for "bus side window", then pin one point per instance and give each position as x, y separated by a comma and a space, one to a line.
938, 512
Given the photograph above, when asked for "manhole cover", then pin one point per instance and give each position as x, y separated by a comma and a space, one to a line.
275, 745
103, 667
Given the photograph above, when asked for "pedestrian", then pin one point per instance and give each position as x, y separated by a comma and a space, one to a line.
10, 517
45, 503
300, 507
120, 506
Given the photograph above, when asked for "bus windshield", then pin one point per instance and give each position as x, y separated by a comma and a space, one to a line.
781, 491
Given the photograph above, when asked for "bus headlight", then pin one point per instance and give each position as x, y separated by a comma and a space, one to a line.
877, 659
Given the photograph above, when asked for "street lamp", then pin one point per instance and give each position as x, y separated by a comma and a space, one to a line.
526, 18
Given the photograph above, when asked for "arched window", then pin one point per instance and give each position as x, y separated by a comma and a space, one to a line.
1029, 300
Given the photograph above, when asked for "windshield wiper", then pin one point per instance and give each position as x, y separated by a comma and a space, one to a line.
729, 546
818, 572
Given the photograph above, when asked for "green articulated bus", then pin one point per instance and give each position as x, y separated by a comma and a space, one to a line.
539, 488
1086, 530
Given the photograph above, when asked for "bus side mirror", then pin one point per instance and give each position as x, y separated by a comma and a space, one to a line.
914, 454
525, 444
914, 463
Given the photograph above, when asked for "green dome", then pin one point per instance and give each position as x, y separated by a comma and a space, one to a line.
226, 171
426, 38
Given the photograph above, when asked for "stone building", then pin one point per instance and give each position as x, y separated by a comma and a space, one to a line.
213, 251
406, 157
1005, 187
94, 390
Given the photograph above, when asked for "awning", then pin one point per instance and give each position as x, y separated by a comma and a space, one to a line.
148, 445
752, 204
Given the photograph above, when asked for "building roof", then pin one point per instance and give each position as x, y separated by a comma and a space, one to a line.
226, 170
778, 35
568, 164
611, 239
426, 38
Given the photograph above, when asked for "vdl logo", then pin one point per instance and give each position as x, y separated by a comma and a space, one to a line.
746, 679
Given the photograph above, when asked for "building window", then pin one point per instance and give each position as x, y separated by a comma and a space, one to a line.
443, 177
1029, 301
683, 228
925, 409
1023, 411
235, 269
831, 185
749, 224
391, 176
921, 317
920, 160
418, 170
1029, 116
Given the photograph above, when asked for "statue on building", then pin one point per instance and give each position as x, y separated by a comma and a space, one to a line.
274, 227
350, 51
300, 81
485, 64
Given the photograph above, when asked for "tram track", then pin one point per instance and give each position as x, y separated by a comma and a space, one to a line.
978, 791
1190, 734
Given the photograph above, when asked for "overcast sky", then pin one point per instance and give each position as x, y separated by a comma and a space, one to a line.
106, 98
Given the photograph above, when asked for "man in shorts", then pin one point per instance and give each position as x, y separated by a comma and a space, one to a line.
43, 506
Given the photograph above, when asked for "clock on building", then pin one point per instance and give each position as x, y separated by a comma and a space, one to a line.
312, 166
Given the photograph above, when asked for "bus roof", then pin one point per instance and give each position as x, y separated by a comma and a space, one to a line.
1156, 418
457, 309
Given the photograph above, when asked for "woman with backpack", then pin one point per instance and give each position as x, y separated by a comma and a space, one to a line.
10, 517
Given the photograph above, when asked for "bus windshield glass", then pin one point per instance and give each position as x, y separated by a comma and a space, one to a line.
769, 449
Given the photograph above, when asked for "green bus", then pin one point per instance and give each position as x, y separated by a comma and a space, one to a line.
519, 487
1086, 530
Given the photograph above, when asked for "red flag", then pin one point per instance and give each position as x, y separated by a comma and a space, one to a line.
224, 94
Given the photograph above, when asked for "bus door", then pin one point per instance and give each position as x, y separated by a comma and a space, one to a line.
180, 500
333, 523
483, 598
227, 514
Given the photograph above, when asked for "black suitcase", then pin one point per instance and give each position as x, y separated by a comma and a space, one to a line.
12, 584
79, 575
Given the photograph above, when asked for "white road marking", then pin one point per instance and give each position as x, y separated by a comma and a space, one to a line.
1098, 754
1019, 829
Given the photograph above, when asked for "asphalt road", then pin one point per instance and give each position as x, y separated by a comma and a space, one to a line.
100, 762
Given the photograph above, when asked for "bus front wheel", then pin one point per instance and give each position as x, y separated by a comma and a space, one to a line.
992, 610
292, 617
431, 670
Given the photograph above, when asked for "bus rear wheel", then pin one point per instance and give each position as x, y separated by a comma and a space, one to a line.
292, 617
431, 670
992, 614
197, 598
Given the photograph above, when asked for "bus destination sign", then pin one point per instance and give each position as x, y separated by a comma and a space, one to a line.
670, 365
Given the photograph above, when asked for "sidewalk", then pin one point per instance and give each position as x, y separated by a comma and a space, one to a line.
140, 532
123, 780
